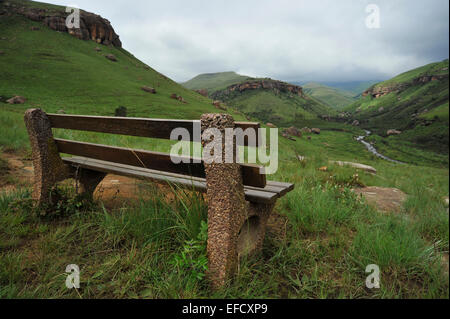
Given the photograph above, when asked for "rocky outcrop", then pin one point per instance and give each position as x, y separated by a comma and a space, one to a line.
315, 130
393, 132
364, 167
266, 84
379, 91
16, 100
203, 92
148, 89
92, 26
293, 131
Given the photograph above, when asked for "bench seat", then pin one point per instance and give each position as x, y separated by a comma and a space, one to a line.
269, 194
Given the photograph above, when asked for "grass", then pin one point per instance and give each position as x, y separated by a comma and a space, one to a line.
214, 81
330, 96
154, 247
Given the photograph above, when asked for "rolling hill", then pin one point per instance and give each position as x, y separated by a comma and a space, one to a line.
55, 71
414, 102
330, 96
214, 81
265, 99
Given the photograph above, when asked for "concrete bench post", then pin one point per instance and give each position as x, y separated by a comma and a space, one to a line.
49, 168
226, 204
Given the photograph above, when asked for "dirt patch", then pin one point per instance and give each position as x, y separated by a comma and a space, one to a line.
383, 199
15, 171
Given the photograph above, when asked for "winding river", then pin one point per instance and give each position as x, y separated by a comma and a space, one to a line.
372, 149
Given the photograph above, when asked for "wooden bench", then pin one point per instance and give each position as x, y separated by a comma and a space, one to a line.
240, 199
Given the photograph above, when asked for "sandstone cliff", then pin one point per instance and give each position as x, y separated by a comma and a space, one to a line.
92, 26
266, 84
380, 91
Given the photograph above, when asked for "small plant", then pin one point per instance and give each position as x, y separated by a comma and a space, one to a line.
192, 258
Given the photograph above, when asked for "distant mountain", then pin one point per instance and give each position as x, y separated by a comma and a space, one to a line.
269, 100
214, 81
355, 87
330, 96
414, 102
265, 99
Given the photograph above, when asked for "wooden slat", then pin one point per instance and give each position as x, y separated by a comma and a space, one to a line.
251, 194
273, 187
152, 160
133, 126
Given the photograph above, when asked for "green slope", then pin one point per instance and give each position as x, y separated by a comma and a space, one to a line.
413, 103
56, 71
330, 96
214, 81
354, 87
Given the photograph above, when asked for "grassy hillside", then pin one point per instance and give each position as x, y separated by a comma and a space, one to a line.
330, 96
282, 109
412, 102
214, 81
355, 87
319, 242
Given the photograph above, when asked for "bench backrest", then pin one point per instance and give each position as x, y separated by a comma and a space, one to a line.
143, 127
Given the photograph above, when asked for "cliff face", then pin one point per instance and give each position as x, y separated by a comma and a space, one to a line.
380, 91
92, 26
276, 86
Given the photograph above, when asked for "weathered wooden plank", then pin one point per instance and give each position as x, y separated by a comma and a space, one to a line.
143, 127
272, 187
194, 183
152, 160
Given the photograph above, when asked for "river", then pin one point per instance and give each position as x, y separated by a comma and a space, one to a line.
373, 150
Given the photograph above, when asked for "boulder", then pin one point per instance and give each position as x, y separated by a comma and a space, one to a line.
148, 89
111, 57
384, 199
380, 109
203, 92
16, 100
355, 123
97, 49
315, 130
174, 96
393, 132
285, 135
270, 125
121, 111
293, 131
181, 99
219, 105
34, 28
364, 167
61, 112
305, 130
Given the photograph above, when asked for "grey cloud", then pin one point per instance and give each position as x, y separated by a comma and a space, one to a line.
321, 40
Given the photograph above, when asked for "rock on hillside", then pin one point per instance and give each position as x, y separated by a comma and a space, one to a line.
266, 84
379, 91
92, 26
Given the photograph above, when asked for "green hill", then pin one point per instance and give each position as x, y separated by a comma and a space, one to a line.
330, 96
214, 81
415, 102
55, 71
273, 101
151, 242
355, 87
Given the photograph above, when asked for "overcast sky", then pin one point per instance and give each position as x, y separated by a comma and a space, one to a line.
291, 40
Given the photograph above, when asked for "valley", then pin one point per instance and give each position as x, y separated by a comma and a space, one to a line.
130, 242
